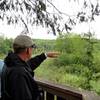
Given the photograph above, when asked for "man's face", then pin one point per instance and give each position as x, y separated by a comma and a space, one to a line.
29, 53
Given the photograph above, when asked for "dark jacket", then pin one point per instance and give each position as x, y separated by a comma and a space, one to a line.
17, 82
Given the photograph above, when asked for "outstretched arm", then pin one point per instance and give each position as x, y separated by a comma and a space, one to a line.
37, 60
34, 62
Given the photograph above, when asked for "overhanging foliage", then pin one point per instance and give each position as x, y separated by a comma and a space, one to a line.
34, 12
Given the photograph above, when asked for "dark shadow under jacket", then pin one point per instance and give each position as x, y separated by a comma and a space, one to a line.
17, 82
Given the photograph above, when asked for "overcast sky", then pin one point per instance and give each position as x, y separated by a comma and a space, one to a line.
39, 32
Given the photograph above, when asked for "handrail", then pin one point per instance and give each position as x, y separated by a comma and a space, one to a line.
52, 91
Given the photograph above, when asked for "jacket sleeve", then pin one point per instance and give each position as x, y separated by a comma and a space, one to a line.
36, 61
20, 89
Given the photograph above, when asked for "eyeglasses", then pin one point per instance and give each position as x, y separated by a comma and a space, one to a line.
33, 46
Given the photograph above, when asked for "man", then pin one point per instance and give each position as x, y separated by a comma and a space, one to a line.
17, 75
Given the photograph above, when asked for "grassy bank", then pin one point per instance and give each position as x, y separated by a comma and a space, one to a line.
47, 71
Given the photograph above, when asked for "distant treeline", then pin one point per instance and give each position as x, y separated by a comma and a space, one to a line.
42, 45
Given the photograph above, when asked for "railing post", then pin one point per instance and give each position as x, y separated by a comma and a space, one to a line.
59, 98
42, 96
49, 96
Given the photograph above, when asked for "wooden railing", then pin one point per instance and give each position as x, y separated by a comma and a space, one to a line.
50, 91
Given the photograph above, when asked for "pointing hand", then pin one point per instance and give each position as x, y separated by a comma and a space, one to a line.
52, 54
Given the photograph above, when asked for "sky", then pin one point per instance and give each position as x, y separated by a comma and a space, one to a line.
11, 31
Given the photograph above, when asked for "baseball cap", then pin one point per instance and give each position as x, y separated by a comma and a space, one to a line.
23, 41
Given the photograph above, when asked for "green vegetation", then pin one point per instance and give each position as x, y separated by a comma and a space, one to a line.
78, 64
5, 46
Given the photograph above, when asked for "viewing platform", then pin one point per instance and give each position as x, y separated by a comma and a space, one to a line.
52, 91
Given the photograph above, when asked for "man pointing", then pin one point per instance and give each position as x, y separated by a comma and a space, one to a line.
17, 82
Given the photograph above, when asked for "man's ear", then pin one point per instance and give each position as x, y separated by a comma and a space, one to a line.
27, 50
